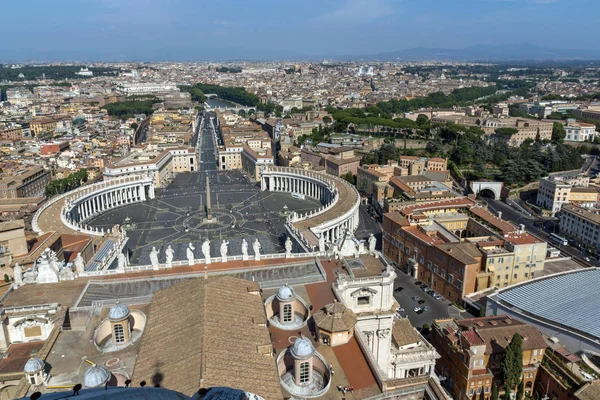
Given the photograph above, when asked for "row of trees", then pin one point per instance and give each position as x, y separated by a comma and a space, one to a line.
60, 186
235, 94
49, 72
229, 70
129, 108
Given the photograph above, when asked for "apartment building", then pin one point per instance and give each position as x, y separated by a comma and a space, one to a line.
25, 182
372, 179
472, 349
579, 131
590, 114
581, 225
565, 187
518, 257
412, 165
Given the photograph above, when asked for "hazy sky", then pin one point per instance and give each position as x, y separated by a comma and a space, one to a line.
199, 29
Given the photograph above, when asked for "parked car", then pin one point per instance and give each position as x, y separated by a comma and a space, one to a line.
418, 283
400, 309
430, 292
417, 309
426, 308
419, 312
416, 298
421, 302
398, 289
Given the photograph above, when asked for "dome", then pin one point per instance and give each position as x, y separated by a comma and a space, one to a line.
302, 348
96, 376
34, 365
286, 293
118, 312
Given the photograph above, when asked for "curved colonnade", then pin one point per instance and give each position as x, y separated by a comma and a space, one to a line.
79, 205
329, 223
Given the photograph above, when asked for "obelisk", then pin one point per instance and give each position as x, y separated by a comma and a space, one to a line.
208, 212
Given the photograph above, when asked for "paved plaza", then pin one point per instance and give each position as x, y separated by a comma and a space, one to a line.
176, 216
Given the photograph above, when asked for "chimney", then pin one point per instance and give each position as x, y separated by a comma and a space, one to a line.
522, 228
500, 214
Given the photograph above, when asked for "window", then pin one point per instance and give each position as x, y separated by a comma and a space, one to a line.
287, 313
119, 333
363, 301
304, 372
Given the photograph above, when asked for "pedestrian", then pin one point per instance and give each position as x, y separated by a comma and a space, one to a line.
339, 388
352, 389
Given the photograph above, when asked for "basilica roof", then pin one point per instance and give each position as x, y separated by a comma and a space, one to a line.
211, 332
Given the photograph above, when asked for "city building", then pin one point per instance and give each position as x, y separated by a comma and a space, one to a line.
566, 187
579, 131
472, 349
163, 165
580, 225
24, 183
12, 241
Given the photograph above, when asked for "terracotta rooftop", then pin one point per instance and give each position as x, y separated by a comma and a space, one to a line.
209, 332
403, 333
498, 223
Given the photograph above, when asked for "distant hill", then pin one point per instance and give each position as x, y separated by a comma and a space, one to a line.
480, 52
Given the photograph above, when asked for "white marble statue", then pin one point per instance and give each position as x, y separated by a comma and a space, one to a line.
18, 274
66, 273
224, 249
190, 254
169, 256
372, 243
256, 247
79, 263
154, 258
121, 261
244, 250
206, 251
47, 271
288, 247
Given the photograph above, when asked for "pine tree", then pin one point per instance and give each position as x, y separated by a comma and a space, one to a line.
520, 390
512, 362
494, 392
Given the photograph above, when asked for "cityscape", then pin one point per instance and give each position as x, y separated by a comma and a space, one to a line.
418, 222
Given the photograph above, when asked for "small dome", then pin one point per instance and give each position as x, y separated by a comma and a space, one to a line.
34, 365
118, 312
286, 293
302, 348
96, 376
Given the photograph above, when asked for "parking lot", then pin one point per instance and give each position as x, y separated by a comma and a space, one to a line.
437, 308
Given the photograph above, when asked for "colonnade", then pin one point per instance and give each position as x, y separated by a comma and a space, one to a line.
97, 203
335, 193
299, 185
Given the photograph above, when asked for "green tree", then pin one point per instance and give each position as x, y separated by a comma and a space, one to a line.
327, 119
494, 395
512, 362
520, 390
349, 177
506, 131
422, 119
558, 132
133, 126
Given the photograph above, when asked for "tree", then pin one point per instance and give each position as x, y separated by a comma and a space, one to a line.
520, 390
494, 395
558, 132
506, 131
422, 119
327, 119
349, 177
512, 362
133, 126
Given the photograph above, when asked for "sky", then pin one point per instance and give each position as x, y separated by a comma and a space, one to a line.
244, 29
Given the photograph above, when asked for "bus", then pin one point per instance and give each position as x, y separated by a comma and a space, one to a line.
298, 196
554, 238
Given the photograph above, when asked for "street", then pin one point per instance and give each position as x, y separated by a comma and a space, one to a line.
518, 218
437, 308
